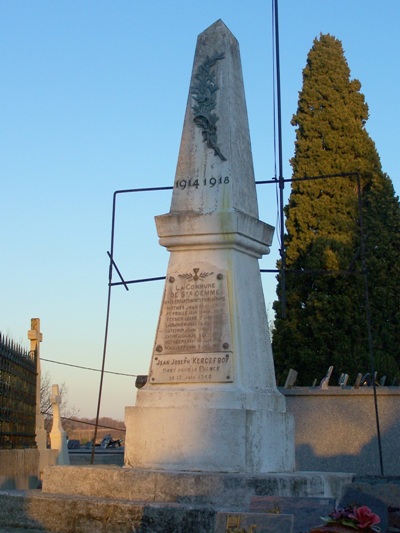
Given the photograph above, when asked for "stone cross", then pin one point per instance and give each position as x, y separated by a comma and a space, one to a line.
55, 400
36, 337
58, 436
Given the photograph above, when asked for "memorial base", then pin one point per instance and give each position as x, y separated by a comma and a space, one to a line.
208, 440
230, 491
109, 499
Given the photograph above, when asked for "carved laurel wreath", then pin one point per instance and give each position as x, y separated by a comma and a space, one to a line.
196, 276
204, 95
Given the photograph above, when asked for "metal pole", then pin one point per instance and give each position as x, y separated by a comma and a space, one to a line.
110, 285
368, 318
106, 330
281, 181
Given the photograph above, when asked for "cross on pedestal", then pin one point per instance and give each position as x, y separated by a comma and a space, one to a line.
58, 436
55, 400
36, 337
34, 334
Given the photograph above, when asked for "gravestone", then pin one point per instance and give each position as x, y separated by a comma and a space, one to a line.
324, 385
344, 378
358, 380
211, 401
291, 379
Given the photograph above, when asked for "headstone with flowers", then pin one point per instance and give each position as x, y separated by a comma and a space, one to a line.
348, 519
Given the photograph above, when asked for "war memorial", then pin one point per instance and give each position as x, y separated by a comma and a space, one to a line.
211, 382
209, 444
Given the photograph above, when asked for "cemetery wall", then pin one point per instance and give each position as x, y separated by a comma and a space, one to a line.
336, 429
19, 469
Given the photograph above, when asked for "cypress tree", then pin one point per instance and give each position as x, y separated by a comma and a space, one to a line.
325, 320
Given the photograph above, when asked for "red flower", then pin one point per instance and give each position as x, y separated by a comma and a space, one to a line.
365, 517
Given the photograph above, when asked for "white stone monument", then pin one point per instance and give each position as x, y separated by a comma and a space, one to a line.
209, 429
58, 437
211, 402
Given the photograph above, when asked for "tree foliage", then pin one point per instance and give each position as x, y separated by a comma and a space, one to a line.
325, 320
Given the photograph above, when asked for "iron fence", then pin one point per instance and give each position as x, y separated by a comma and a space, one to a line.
17, 395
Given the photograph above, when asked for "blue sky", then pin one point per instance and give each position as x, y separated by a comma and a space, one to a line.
92, 100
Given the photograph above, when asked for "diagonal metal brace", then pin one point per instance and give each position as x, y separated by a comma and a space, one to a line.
118, 272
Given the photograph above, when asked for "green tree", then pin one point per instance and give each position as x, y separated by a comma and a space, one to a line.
325, 320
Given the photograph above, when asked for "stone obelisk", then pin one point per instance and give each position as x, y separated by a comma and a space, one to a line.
211, 402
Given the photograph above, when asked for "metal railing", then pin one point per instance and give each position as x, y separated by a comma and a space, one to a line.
17, 395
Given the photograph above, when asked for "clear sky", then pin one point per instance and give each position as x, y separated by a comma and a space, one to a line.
92, 99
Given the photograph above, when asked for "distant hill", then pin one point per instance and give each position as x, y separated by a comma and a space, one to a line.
82, 429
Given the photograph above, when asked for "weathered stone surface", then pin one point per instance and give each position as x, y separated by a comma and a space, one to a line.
192, 510
13, 511
34, 512
19, 469
217, 83
220, 440
261, 522
307, 512
233, 490
330, 438
68, 514
389, 493
394, 519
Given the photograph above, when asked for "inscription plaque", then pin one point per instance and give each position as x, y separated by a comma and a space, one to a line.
193, 335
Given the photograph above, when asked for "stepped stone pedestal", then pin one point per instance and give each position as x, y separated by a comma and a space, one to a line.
89, 499
211, 402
